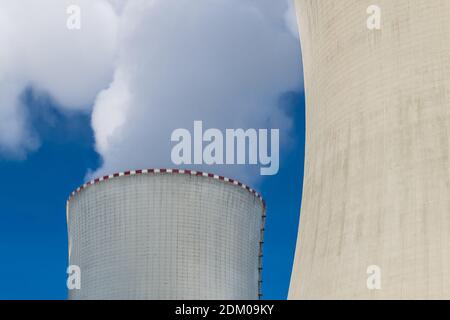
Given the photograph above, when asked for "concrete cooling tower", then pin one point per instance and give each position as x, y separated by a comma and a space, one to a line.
376, 200
166, 234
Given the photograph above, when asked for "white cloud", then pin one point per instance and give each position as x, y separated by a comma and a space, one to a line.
14, 141
38, 50
225, 62
291, 19
161, 65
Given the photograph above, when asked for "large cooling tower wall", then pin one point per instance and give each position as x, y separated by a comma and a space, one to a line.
166, 234
377, 171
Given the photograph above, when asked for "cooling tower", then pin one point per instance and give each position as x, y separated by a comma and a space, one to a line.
377, 170
166, 234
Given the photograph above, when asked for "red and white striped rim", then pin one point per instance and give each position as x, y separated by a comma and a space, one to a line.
166, 171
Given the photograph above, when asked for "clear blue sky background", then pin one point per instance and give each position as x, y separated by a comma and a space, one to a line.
33, 193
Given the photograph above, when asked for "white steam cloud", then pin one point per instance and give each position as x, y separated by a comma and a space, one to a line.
148, 67
37, 50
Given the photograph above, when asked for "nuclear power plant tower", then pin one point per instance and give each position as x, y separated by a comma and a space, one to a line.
166, 234
375, 216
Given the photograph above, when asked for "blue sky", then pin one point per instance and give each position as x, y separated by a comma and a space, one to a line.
33, 236
283, 195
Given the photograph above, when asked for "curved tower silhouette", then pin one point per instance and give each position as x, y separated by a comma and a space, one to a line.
166, 234
377, 169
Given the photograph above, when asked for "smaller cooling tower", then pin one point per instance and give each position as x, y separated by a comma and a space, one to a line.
166, 234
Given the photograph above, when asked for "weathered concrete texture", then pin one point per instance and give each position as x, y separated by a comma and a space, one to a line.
377, 171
